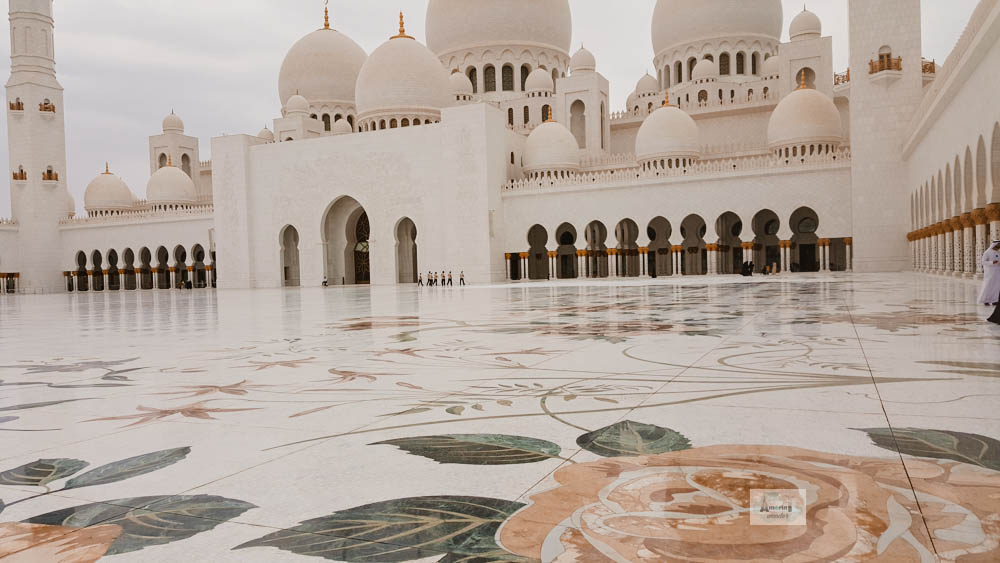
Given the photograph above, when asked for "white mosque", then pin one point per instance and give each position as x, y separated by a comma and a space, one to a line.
493, 149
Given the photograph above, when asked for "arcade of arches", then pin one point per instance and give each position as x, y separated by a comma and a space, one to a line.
145, 268
662, 249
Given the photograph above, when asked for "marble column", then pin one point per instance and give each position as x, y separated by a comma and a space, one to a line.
849, 246
993, 216
956, 225
17, 277
826, 255
506, 266
980, 227
581, 264
104, 274
712, 250
785, 247
968, 246
948, 265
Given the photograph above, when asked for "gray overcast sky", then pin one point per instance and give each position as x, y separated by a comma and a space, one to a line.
126, 63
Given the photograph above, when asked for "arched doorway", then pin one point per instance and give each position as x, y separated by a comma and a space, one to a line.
146, 279
289, 242
804, 254
346, 234
538, 261
114, 280
626, 233
180, 267
162, 268
566, 252
82, 281
659, 262
97, 279
695, 260
200, 277
597, 253
729, 226
766, 250
129, 283
406, 251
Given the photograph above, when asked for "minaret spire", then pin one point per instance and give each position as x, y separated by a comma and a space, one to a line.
326, 14
402, 29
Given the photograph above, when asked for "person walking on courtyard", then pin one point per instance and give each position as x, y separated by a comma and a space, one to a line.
449, 280
420, 280
990, 294
431, 279
442, 278
325, 283
461, 278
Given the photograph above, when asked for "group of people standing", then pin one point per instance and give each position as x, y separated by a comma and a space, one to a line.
434, 279
990, 294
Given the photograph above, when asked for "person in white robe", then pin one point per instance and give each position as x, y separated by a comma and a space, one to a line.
990, 293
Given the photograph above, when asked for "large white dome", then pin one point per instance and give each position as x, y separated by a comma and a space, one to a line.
539, 81
668, 132
582, 61
170, 186
803, 117
107, 192
403, 76
678, 22
705, 69
322, 66
173, 124
647, 85
454, 25
460, 84
551, 147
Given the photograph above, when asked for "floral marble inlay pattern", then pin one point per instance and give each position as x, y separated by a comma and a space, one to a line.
625, 421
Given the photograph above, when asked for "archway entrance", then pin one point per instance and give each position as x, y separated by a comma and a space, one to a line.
626, 233
538, 261
695, 262
199, 270
766, 250
805, 252
406, 251
289, 241
346, 239
567, 262
660, 264
729, 226
597, 253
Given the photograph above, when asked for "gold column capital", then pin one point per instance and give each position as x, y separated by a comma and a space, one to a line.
979, 216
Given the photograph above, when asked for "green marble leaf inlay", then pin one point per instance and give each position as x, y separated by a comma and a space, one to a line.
41, 472
162, 520
628, 438
477, 449
974, 449
463, 528
128, 468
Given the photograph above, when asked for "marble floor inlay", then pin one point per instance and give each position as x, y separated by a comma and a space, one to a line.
814, 418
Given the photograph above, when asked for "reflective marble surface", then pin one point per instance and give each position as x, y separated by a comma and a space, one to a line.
635, 420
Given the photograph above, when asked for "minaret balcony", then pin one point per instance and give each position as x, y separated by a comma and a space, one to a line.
885, 70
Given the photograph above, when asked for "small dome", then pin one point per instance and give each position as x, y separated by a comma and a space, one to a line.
266, 134
297, 105
802, 117
551, 147
170, 186
107, 192
460, 84
341, 127
322, 66
539, 81
771, 66
173, 124
647, 85
667, 133
806, 25
457, 25
402, 74
582, 61
679, 22
705, 69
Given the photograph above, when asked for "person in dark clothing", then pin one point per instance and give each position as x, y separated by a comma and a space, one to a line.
449, 280
420, 280
461, 278
995, 317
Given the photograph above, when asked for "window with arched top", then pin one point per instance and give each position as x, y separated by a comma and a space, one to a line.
766, 91
806, 76
546, 112
755, 64
578, 122
473, 75
393, 123
527, 115
703, 96
404, 123
678, 72
510, 116
186, 164
490, 78
507, 78
724, 64
741, 63
326, 122
162, 160
709, 58
691, 64
525, 71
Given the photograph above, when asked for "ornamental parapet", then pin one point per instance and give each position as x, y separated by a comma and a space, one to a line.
138, 215
883, 64
727, 166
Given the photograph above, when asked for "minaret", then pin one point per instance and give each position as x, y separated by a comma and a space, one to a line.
886, 88
37, 145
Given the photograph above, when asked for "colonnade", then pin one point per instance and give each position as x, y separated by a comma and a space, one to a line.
8, 282
955, 246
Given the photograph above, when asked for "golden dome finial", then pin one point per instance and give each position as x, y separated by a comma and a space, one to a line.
666, 99
802, 80
548, 118
107, 168
326, 14
402, 29
170, 160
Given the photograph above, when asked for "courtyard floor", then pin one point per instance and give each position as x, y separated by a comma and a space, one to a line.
836, 417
